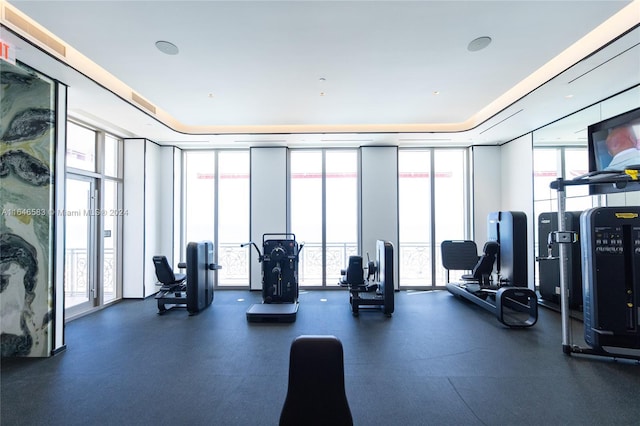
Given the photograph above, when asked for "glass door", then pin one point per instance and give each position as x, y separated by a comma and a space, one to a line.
80, 292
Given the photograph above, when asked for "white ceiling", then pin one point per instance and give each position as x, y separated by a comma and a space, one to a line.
250, 72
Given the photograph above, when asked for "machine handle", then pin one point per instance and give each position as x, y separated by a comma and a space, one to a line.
260, 257
281, 234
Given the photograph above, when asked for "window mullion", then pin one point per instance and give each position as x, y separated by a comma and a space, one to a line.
432, 207
324, 217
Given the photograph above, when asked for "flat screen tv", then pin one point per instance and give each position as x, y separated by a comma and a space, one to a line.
614, 145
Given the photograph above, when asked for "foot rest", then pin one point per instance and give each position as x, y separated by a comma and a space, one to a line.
517, 306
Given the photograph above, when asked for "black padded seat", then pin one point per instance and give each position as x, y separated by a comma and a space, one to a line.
483, 269
354, 274
459, 255
316, 394
165, 274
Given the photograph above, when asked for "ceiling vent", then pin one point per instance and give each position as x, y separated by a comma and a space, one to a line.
501, 121
604, 62
39, 35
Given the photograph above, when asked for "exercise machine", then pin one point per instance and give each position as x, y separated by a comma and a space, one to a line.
376, 290
279, 259
498, 278
513, 306
509, 229
611, 242
193, 290
548, 261
610, 245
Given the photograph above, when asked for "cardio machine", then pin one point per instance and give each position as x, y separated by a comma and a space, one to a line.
279, 259
376, 290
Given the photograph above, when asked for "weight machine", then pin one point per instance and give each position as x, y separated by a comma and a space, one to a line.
279, 279
193, 290
376, 290
610, 241
504, 292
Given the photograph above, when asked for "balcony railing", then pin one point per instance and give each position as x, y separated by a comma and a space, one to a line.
235, 264
415, 266
310, 266
76, 273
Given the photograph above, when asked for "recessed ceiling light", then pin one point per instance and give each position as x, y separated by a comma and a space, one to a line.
436, 92
479, 44
568, 96
167, 47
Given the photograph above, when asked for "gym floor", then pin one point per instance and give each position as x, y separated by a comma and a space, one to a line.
438, 361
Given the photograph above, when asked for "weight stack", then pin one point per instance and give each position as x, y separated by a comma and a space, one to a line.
509, 229
280, 271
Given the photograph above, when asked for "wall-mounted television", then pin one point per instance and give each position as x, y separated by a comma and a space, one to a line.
614, 145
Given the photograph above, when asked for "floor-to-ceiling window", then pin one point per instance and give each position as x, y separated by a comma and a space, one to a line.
233, 217
93, 219
341, 211
306, 213
414, 217
216, 208
324, 212
200, 195
432, 208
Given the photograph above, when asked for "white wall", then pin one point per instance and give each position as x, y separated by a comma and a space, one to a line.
158, 214
517, 188
148, 225
486, 187
178, 255
379, 200
268, 201
133, 222
153, 180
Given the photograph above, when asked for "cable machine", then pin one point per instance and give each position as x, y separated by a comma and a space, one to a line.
610, 240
